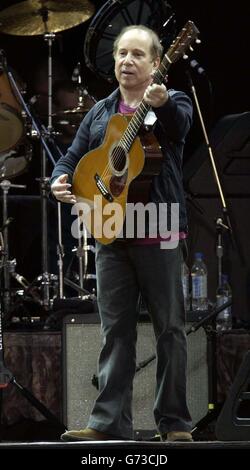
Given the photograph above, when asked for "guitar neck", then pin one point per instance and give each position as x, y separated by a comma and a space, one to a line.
143, 108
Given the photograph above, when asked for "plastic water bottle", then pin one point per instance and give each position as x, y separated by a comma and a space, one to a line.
199, 283
185, 285
223, 295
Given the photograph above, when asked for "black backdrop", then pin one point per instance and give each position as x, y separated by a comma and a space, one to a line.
223, 52
224, 56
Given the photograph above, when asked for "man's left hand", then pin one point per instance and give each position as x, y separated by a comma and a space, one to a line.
156, 95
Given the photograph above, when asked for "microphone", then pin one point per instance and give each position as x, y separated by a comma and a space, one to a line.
197, 67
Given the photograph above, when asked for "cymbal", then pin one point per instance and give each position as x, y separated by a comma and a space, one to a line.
78, 110
73, 111
34, 17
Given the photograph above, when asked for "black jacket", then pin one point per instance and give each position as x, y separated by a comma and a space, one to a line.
172, 125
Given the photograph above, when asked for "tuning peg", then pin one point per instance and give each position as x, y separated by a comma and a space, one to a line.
198, 41
191, 49
185, 56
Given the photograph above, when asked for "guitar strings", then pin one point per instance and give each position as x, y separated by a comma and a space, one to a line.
127, 139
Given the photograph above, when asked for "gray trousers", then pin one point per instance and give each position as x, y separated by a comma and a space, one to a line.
123, 271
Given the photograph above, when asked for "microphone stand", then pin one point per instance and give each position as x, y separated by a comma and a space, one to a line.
222, 223
210, 152
210, 330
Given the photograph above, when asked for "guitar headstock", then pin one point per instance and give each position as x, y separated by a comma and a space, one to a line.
185, 38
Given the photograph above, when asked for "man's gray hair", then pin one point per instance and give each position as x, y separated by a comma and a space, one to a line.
156, 47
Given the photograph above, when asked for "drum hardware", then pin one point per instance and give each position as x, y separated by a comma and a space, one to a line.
49, 134
45, 188
28, 289
72, 102
60, 251
84, 103
45, 136
33, 134
82, 106
8, 265
84, 99
85, 295
82, 255
76, 77
39, 17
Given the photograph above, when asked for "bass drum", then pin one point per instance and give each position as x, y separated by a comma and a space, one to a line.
112, 17
11, 122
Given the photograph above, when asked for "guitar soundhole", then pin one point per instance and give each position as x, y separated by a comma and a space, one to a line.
118, 160
117, 184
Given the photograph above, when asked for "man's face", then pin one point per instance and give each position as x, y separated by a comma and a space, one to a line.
133, 60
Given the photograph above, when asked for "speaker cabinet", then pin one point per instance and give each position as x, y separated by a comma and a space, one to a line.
81, 347
233, 423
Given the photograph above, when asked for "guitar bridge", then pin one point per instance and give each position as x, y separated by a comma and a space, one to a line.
103, 189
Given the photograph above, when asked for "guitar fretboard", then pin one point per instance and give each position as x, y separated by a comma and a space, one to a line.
143, 108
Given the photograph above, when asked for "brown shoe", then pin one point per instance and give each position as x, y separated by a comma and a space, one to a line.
180, 436
87, 434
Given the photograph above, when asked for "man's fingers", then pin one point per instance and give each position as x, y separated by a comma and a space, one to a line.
63, 178
61, 190
67, 198
60, 187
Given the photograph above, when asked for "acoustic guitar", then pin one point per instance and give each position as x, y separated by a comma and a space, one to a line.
102, 177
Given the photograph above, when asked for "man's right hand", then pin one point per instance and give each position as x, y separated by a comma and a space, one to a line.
60, 189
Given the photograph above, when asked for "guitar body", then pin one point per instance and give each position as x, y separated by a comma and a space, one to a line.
107, 172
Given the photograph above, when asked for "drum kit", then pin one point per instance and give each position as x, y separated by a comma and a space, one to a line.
19, 126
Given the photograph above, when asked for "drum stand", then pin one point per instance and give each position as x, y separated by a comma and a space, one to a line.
60, 251
46, 278
8, 265
83, 259
46, 136
42, 134
82, 255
